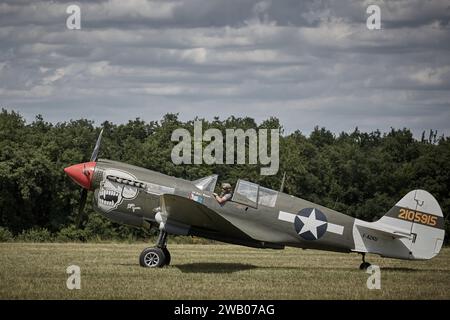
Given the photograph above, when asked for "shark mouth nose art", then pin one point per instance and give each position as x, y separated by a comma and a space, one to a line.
109, 197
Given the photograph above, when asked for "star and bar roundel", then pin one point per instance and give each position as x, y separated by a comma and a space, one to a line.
310, 223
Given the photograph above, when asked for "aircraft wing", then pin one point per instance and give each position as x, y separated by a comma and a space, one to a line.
180, 211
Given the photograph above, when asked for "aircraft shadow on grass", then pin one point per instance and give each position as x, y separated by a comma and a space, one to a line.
207, 267
402, 269
234, 267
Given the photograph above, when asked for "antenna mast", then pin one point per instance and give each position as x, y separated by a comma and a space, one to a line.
282, 182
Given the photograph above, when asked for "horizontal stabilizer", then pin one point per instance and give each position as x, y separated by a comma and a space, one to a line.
385, 230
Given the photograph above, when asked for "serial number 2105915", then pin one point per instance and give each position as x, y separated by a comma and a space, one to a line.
418, 217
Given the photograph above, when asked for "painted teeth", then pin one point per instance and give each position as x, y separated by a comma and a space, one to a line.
107, 203
104, 194
109, 193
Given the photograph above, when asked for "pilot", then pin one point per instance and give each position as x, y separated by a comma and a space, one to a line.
225, 195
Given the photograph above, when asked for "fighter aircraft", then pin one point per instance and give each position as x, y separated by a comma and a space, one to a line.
255, 216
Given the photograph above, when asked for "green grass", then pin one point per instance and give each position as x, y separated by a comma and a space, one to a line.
111, 271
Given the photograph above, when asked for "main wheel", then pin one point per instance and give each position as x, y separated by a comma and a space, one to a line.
167, 255
152, 258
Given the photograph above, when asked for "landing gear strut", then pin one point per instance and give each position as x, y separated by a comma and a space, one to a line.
364, 265
156, 257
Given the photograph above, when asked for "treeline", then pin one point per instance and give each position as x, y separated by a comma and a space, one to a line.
360, 174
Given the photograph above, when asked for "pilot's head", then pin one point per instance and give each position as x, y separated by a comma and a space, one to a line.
226, 187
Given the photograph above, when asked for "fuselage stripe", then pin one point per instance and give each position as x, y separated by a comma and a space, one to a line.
331, 227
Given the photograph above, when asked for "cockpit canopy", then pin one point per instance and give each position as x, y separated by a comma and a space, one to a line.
252, 194
246, 192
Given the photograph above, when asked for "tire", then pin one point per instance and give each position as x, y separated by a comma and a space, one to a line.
364, 266
152, 258
167, 255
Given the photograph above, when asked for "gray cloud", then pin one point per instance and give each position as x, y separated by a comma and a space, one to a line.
308, 63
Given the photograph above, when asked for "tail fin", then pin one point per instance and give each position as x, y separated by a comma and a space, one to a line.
412, 229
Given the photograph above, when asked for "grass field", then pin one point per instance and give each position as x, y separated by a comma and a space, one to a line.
111, 271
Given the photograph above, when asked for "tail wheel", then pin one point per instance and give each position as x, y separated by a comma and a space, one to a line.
152, 258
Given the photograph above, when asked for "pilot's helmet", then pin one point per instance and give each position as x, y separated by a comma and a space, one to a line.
226, 186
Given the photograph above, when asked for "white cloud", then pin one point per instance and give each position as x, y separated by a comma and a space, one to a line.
433, 76
113, 9
58, 74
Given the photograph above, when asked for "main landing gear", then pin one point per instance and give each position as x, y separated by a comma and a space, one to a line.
364, 265
156, 257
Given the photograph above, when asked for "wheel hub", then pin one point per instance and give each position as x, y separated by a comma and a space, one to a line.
151, 259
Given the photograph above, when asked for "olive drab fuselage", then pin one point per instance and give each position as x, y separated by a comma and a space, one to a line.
128, 202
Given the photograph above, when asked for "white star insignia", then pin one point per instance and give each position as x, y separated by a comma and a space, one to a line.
311, 223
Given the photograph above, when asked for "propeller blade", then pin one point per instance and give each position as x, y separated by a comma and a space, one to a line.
83, 198
94, 155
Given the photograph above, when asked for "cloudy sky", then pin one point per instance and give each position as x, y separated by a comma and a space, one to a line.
306, 62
